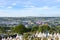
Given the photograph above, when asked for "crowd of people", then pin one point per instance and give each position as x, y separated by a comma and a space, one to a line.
48, 36
38, 35
13, 37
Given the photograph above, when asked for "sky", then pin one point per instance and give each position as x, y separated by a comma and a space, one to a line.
23, 8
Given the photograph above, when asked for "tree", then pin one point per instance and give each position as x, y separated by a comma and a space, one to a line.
20, 29
54, 29
2, 30
58, 28
34, 28
44, 28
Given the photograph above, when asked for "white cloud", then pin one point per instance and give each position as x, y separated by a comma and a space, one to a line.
58, 0
3, 14
9, 7
45, 7
1, 6
32, 11
36, 11
13, 4
29, 6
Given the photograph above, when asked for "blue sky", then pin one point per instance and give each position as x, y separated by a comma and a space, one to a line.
23, 8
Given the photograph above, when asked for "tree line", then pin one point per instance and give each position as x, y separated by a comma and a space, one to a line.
22, 29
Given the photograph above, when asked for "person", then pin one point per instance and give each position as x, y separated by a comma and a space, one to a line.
10, 38
3, 39
17, 37
7, 38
